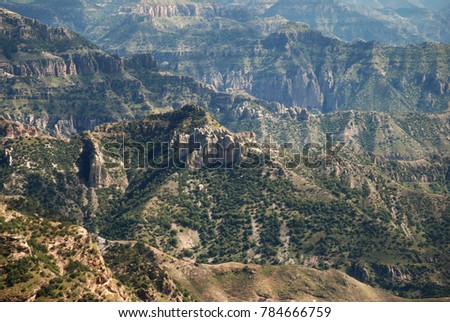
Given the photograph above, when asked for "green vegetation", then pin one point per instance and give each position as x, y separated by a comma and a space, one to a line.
19, 272
351, 214
136, 267
49, 260
380, 212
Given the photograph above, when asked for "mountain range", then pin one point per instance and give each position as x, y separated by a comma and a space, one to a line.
394, 22
121, 178
266, 50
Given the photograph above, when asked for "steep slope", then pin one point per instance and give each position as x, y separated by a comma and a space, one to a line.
55, 79
380, 214
62, 84
208, 194
149, 23
297, 66
352, 20
279, 214
49, 261
392, 22
66, 265
235, 50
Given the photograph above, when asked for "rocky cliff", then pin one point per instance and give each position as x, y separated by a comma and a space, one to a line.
73, 64
62, 126
50, 70
350, 20
94, 169
66, 85
193, 9
211, 147
298, 66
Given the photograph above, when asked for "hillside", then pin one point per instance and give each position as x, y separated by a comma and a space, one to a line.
269, 58
43, 260
263, 48
62, 84
48, 261
380, 21
393, 22
201, 190
379, 215
247, 282
298, 66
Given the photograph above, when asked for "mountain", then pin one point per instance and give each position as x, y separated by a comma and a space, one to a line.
394, 22
57, 79
366, 20
200, 190
434, 5
428, 18
250, 282
378, 213
47, 261
256, 50
62, 84
298, 66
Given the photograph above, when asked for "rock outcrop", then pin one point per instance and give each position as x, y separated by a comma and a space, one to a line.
76, 64
311, 70
94, 166
157, 10
380, 274
141, 61
211, 147
11, 129
16, 125
15, 246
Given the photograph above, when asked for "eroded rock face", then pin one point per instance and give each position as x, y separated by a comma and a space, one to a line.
42, 67
94, 62
81, 64
60, 52
93, 167
311, 70
142, 61
28, 125
377, 273
393, 273
157, 10
98, 176
361, 273
11, 129
35, 63
211, 147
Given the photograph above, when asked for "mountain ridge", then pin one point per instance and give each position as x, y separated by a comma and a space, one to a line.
147, 157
